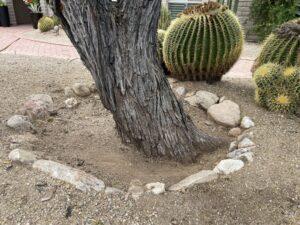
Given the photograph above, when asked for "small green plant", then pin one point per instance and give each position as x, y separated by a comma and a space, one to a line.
268, 14
203, 43
33, 5
45, 24
278, 87
165, 18
282, 46
2, 3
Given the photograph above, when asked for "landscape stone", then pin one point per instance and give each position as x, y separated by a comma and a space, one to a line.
235, 132
37, 106
22, 156
226, 113
80, 179
247, 123
112, 191
189, 94
71, 103
233, 146
19, 123
228, 166
249, 135
246, 157
81, 90
206, 99
156, 188
192, 100
238, 152
180, 91
222, 99
246, 142
203, 176
43, 99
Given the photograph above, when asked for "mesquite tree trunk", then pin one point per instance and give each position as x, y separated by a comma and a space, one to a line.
117, 43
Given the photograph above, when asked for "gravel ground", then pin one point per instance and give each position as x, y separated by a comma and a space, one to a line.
265, 192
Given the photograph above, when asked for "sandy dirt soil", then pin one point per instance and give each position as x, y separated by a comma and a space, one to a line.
265, 192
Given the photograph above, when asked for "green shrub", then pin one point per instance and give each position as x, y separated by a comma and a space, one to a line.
203, 43
278, 87
282, 46
45, 24
269, 14
165, 18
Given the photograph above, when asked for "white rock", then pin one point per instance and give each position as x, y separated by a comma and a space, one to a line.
180, 91
156, 188
19, 155
80, 179
192, 100
203, 176
189, 94
206, 99
19, 123
233, 146
226, 113
222, 99
228, 166
246, 157
112, 191
247, 123
81, 90
71, 103
245, 143
235, 132
56, 29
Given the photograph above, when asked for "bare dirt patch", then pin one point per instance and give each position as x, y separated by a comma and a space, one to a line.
264, 192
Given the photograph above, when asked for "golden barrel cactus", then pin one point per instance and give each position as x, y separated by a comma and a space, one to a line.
278, 87
45, 24
203, 43
282, 46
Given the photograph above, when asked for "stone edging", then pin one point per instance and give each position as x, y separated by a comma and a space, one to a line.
240, 151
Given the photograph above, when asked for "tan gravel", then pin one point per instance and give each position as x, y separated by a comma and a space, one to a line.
265, 192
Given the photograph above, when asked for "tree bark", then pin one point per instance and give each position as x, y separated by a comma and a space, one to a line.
117, 43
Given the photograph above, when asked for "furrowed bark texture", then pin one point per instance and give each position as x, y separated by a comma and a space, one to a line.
117, 43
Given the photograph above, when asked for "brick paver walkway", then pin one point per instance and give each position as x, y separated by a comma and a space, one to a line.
12, 42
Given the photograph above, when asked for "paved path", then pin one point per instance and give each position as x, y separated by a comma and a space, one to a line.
23, 40
15, 40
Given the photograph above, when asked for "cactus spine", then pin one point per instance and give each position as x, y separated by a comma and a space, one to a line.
203, 43
282, 46
45, 24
